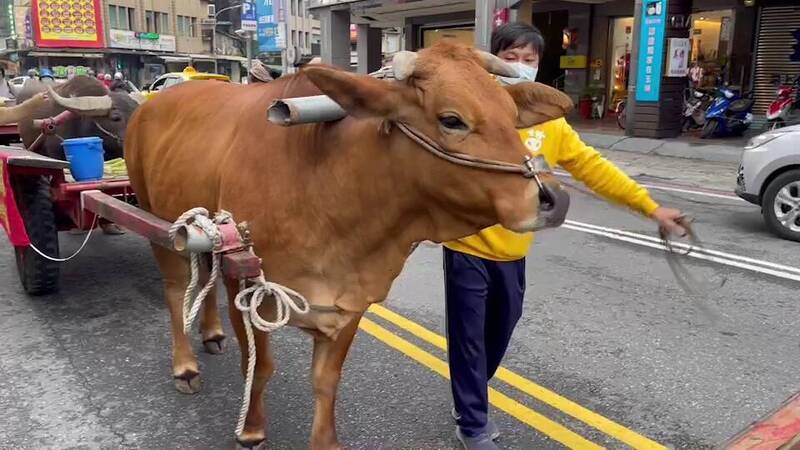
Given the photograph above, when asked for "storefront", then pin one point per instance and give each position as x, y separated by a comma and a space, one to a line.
711, 38
620, 45
777, 57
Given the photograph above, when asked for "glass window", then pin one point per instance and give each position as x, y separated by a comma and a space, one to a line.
193, 27
150, 21
112, 16
163, 23
711, 36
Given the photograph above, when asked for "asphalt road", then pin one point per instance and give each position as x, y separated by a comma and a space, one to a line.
610, 351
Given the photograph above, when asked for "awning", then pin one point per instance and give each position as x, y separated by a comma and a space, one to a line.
175, 59
67, 54
201, 57
232, 58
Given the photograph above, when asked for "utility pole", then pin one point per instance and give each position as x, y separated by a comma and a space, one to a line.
214, 33
286, 37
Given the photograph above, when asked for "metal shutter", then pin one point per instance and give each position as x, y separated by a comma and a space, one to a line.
773, 49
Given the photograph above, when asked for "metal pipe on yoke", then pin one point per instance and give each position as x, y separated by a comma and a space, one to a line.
294, 111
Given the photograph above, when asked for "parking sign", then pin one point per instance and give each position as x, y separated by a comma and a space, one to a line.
249, 20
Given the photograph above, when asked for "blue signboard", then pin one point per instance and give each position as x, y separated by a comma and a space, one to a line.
249, 22
651, 50
267, 32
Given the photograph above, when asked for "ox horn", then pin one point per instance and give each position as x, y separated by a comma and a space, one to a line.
495, 65
26, 109
403, 64
87, 106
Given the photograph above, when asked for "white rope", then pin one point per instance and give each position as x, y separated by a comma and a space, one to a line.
247, 301
85, 240
199, 217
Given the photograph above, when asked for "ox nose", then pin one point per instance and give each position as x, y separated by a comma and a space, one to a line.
553, 204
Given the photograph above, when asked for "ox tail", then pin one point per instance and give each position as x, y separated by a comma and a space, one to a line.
26, 109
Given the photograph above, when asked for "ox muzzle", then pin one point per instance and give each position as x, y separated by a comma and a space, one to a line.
553, 198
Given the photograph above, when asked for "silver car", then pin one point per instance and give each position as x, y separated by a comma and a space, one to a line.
769, 175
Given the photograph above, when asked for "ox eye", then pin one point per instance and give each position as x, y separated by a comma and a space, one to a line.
453, 123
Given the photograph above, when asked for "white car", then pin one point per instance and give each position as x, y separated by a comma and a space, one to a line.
769, 176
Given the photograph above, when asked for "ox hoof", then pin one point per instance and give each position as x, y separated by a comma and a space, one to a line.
188, 382
215, 345
248, 444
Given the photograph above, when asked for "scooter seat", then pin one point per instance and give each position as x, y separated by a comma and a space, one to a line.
740, 105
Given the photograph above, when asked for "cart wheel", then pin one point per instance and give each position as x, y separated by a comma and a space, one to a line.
38, 275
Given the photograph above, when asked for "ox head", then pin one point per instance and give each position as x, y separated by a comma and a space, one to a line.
447, 93
106, 114
95, 110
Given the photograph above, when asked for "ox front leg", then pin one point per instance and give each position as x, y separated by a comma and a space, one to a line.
254, 434
175, 272
329, 356
210, 325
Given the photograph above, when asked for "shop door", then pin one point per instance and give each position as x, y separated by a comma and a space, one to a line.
776, 58
620, 56
552, 25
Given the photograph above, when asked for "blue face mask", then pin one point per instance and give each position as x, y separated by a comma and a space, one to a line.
526, 73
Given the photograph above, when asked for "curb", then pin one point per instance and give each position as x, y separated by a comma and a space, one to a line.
664, 147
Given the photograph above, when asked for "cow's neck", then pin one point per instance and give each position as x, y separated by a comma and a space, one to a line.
362, 208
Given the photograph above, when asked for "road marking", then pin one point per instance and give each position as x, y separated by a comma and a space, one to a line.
504, 403
728, 259
684, 190
528, 387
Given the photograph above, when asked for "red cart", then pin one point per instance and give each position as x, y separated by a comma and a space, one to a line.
37, 202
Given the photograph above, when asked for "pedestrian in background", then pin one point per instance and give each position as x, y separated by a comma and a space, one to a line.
485, 273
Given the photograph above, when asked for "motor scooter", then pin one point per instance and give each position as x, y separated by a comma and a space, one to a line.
785, 109
729, 114
695, 103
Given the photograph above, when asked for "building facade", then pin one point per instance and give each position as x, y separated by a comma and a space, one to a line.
140, 38
593, 47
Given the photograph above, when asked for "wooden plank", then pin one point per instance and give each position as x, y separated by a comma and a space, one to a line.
235, 265
24, 158
778, 430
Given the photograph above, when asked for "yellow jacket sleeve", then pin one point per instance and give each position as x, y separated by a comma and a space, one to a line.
600, 175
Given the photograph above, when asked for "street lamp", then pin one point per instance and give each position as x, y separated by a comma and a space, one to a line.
214, 32
248, 35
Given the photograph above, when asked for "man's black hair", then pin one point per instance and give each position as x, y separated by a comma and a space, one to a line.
516, 35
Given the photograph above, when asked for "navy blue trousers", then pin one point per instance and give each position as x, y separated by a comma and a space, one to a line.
484, 303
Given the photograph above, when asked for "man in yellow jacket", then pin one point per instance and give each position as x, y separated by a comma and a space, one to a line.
485, 273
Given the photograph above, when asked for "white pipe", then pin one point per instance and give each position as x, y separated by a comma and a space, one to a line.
299, 110
192, 239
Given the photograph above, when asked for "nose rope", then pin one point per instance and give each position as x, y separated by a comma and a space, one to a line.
527, 169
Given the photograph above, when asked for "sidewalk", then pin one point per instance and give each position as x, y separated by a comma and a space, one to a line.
605, 134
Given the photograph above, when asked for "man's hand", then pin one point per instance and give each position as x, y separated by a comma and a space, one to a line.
669, 219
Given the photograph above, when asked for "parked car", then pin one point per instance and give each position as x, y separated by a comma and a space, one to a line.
769, 176
173, 78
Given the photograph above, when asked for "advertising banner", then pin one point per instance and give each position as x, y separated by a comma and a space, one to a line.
651, 50
67, 23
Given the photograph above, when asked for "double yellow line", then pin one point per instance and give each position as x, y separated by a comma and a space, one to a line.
502, 402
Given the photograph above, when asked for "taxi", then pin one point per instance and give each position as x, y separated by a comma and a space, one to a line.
171, 79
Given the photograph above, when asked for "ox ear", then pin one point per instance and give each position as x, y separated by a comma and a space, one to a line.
537, 103
359, 95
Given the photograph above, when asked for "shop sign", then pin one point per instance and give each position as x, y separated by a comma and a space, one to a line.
572, 62
678, 57
269, 35
141, 41
67, 23
249, 18
651, 50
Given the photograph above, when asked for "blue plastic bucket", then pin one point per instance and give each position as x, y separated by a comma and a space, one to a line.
85, 156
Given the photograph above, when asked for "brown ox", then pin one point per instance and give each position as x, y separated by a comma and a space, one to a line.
334, 207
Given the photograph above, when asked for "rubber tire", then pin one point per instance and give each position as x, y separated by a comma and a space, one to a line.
709, 129
38, 275
767, 204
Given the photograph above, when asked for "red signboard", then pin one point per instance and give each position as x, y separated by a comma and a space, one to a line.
67, 23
